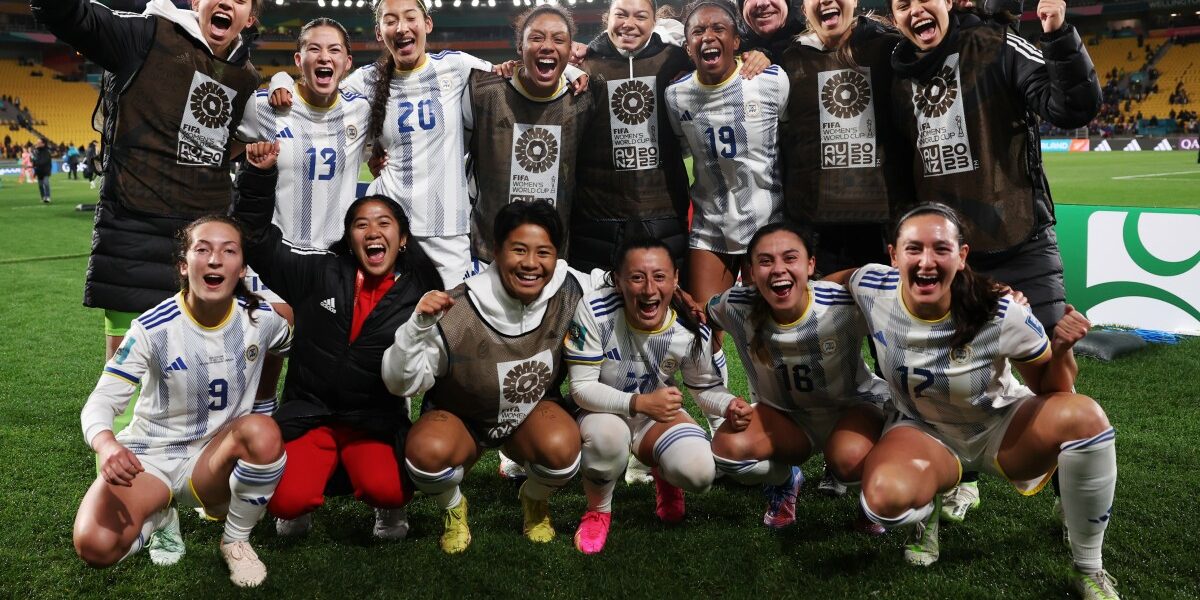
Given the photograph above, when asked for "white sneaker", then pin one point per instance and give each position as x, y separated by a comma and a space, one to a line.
960, 499
509, 469
1095, 586
830, 486
391, 523
166, 544
636, 472
290, 527
922, 548
245, 569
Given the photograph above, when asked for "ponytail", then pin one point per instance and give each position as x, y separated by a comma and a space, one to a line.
381, 92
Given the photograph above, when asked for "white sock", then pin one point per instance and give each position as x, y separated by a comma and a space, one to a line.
754, 472
264, 406
603, 456
149, 526
908, 517
1087, 471
599, 495
441, 486
685, 459
544, 480
250, 488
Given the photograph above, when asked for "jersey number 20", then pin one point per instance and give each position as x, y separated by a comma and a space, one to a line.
426, 117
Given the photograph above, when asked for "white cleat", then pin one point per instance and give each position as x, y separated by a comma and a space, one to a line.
245, 569
636, 472
166, 544
1095, 586
292, 527
509, 469
391, 523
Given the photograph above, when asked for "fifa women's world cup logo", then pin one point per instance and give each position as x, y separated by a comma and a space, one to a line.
936, 96
526, 382
846, 95
633, 102
210, 105
537, 150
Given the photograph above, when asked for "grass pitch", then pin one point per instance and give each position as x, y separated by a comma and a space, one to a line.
1009, 548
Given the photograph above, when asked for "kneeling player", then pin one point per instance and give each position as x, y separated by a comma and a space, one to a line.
801, 343
193, 439
624, 347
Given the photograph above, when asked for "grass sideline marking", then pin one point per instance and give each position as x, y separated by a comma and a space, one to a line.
1158, 174
13, 261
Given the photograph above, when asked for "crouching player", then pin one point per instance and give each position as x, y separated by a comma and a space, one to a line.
193, 439
624, 347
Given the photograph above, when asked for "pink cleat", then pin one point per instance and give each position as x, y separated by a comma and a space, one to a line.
668, 499
781, 500
593, 531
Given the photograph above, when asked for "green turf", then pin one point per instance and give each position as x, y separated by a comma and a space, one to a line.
1007, 549
1162, 179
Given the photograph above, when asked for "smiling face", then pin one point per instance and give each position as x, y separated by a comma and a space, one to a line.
780, 267
545, 48
928, 254
924, 22
222, 21
831, 20
712, 43
375, 238
401, 26
630, 23
526, 261
213, 263
647, 279
324, 60
765, 17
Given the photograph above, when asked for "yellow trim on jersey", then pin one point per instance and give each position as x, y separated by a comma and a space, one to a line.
121, 377
667, 323
183, 306
576, 361
337, 97
203, 510
736, 71
420, 66
516, 81
1025, 490
1037, 359
803, 315
904, 305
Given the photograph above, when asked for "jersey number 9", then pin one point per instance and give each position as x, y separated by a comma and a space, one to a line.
218, 389
723, 137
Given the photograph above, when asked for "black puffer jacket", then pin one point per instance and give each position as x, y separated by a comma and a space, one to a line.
329, 379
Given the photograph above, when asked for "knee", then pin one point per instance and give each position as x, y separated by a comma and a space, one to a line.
846, 461
429, 453
288, 505
260, 437
382, 490
1078, 416
96, 549
887, 492
697, 476
732, 446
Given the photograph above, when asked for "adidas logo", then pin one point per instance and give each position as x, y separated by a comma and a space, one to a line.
612, 354
176, 365
1132, 146
328, 305
259, 501
686, 116
1102, 147
285, 133
879, 336
1163, 146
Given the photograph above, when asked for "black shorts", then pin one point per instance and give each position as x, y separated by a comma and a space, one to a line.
593, 242
1034, 268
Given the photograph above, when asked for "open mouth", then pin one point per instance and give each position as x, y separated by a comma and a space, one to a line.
545, 66
324, 75
213, 280
647, 310
831, 17
375, 254
926, 283
782, 288
220, 23
710, 56
764, 15
925, 29
406, 44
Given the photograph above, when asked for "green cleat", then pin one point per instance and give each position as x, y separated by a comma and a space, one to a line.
1095, 586
922, 548
166, 544
960, 499
456, 535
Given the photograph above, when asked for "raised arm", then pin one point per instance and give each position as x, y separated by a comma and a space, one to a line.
418, 356
1059, 82
117, 41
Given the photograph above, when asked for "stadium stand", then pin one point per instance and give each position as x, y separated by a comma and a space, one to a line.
61, 111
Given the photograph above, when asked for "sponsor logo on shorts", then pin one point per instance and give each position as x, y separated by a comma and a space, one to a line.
669, 365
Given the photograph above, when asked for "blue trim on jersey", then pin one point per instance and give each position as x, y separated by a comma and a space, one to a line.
349, 96
443, 54
833, 303
705, 332
1042, 349
262, 93
579, 358
122, 374
682, 78
1103, 436
876, 287
893, 274
166, 318
605, 301
162, 307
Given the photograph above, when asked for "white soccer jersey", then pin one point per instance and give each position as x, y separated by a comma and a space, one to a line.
962, 393
423, 135
320, 150
194, 379
816, 363
601, 346
731, 131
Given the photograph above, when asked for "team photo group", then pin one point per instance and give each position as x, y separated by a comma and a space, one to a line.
553, 248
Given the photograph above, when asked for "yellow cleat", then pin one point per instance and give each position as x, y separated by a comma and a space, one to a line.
456, 535
537, 519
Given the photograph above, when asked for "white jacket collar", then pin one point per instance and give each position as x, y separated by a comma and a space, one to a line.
506, 314
189, 20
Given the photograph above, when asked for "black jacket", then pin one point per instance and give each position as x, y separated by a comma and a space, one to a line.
329, 379
774, 46
42, 163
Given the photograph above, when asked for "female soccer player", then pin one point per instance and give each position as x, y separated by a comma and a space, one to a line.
800, 341
321, 142
504, 329
729, 125
948, 338
348, 303
624, 348
526, 131
844, 161
631, 178
193, 438
958, 92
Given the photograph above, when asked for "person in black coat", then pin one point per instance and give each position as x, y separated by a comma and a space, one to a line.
42, 166
337, 415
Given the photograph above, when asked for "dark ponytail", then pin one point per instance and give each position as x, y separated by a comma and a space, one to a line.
974, 298
381, 91
183, 241
683, 314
